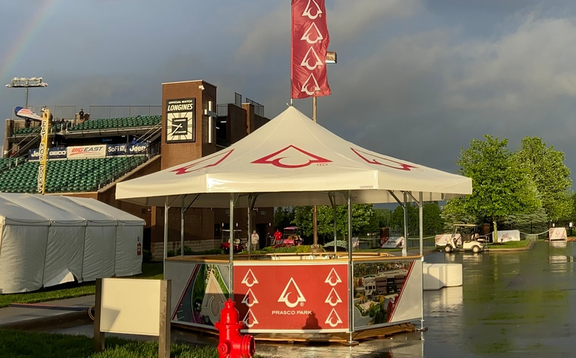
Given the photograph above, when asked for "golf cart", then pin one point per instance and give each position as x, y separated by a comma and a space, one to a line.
290, 237
238, 244
465, 237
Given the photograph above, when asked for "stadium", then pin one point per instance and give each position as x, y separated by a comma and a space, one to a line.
90, 153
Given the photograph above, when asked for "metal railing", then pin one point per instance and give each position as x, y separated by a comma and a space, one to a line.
258, 108
106, 112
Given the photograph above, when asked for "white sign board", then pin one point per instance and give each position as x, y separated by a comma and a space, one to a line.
130, 306
557, 233
508, 235
393, 243
442, 239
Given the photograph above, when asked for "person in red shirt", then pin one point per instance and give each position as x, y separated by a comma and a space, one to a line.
277, 237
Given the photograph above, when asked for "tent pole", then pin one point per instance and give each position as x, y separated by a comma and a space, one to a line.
251, 203
405, 246
421, 221
231, 250
350, 272
165, 254
421, 224
182, 226
333, 202
249, 232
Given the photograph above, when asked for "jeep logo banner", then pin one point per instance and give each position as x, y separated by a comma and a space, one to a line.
138, 148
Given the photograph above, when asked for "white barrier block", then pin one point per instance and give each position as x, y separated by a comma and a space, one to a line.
436, 276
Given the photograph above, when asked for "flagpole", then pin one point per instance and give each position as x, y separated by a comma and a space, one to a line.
291, 54
315, 209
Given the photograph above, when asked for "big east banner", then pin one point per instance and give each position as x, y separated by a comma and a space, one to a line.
310, 41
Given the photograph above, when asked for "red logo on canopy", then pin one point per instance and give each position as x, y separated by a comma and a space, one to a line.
378, 160
203, 164
292, 157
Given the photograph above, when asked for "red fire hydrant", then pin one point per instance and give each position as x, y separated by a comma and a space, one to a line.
232, 344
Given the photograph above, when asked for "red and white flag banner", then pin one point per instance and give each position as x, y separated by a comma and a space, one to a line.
310, 41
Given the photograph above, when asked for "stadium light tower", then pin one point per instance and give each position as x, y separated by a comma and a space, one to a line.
24, 82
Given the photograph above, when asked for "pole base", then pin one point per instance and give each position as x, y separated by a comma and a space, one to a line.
351, 343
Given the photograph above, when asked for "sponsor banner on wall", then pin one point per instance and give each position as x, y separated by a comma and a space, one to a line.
88, 151
289, 298
138, 148
116, 149
53, 153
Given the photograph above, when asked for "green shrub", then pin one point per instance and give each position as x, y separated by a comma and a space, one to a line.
188, 251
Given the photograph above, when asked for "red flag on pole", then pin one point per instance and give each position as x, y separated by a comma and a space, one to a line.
310, 41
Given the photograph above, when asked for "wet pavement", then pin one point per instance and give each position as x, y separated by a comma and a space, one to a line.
512, 304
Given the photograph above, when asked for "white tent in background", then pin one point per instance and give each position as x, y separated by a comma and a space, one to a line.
99, 242
65, 240
48, 240
292, 161
129, 236
23, 235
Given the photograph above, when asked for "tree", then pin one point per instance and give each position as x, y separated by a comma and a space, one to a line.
545, 166
431, 216
501, 186
397, 219
361, 216
283, 216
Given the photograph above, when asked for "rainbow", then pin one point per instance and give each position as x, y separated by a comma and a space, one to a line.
24, 39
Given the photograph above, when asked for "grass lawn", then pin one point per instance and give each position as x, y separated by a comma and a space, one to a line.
24, 344
509, 245
149, 271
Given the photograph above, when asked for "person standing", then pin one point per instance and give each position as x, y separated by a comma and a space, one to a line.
277, 237
255, 239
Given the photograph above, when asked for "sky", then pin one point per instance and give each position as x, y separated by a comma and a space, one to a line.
415, 79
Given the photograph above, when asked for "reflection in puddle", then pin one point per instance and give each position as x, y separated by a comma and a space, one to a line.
402, 345
556, 259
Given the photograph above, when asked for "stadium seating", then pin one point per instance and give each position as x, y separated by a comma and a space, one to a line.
97, 124
8, 163
65, 176
123, 122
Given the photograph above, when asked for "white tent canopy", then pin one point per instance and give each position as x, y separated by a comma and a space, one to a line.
49, 240
65, 241
129, 240
292, 161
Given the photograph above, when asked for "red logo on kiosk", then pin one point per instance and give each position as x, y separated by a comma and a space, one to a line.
379, 160
203, 164
291, 157
333, 319
249, 299
249, 319
333, 279
249, 279
333, 299
297, 297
